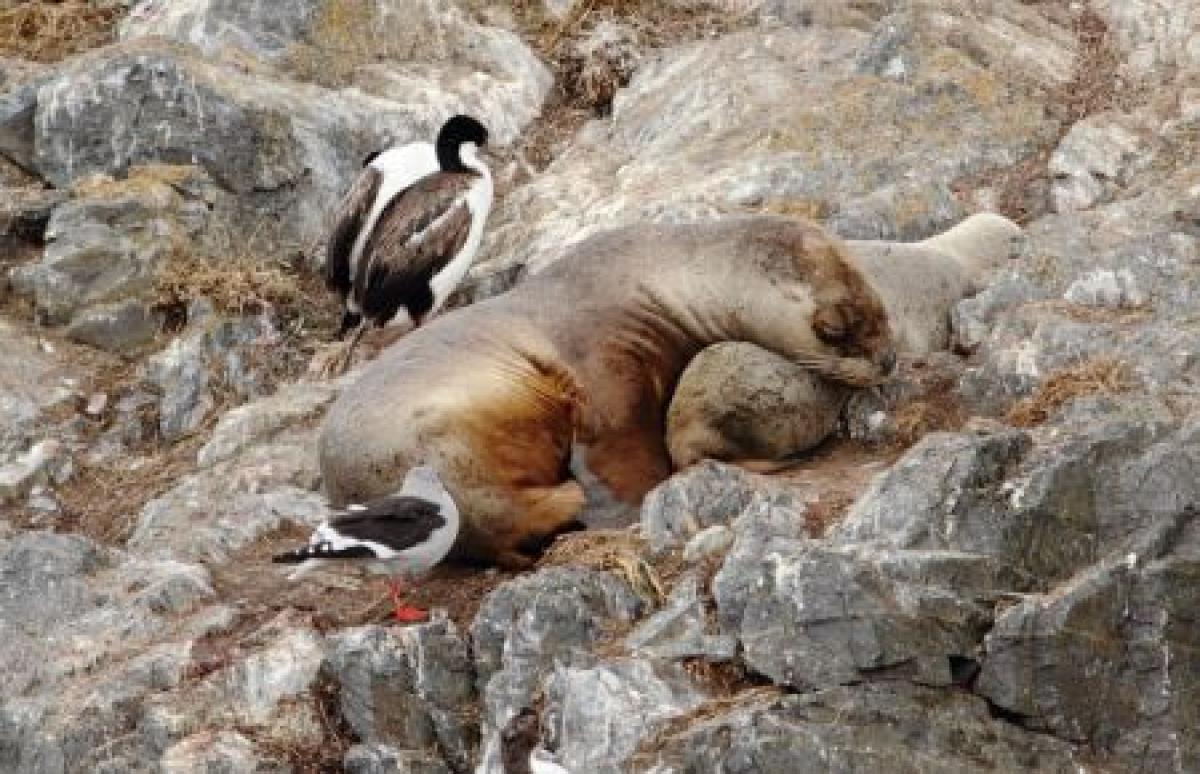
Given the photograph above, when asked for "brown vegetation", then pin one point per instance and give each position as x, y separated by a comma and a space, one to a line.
52, 30
1103, 376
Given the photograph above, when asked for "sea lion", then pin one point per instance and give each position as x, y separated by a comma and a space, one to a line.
738, 403
576, 364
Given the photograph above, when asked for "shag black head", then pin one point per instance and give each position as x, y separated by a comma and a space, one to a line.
456, 131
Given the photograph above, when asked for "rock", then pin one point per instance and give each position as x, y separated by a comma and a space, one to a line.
409, 689
597, 716
1107, 289
810, 616
681, 629
98, 626
1106, 657
749, 135
708, 542
972, 319
236, 352
887, 727
18, 105
109, 241
529, 626
381, 759
254, 423
1096, 159
707, 494
124, 327
287, 148
1155, 37
31, 381
210, 751
24, 212
36, 466
926, 495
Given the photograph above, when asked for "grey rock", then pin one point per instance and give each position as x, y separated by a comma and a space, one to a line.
24, 212
124, 327
708, 542
707, 494
19, 477
731, 139
263, 419
33, 379
1155, 38
410, 689
922, 497
1095, 160
597, 716
681, 629
883, 727
236, 352
812, 616
527, 627
1107, 289
381, 759
18, 105
1108, 657
972, 319
107, 243
212, 751
287, 148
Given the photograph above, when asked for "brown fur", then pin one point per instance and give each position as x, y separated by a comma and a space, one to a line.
587, 353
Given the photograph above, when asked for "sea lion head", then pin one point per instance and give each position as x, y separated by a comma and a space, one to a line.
829, 317
982, 243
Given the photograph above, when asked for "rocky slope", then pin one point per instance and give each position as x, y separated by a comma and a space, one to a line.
994, 568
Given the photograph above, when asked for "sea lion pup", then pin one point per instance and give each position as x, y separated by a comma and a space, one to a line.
739, 403
583, 356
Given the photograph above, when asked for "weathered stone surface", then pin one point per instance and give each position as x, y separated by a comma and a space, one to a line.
1157, 38
887, 727
1096, 159
596, 716
24, 212
808, 615
531, 625
87, 634
236, 353
381, 759
108, 242
209, 751
32, 379
287, 148
123, 327
35, 467
681, 629
1109, 657
753, 134
262, 420
411, 688
707, 494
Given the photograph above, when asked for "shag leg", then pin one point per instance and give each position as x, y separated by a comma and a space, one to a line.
402, 612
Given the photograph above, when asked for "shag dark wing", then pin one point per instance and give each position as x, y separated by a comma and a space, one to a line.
417, 234
348, 222
398, 521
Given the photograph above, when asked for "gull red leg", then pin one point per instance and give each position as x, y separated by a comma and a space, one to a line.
402, 612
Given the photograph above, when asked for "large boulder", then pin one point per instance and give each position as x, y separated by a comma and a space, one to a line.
869, 130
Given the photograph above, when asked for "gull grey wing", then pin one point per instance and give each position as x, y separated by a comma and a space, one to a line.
416, 235
348, 222
397, 522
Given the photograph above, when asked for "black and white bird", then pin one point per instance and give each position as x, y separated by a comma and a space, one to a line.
402, 535
407, 231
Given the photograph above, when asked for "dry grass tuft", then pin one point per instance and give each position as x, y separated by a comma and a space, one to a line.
614, 550
50, 31
1102, 376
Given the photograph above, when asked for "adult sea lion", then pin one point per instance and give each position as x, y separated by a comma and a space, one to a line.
583, 357
738, 403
